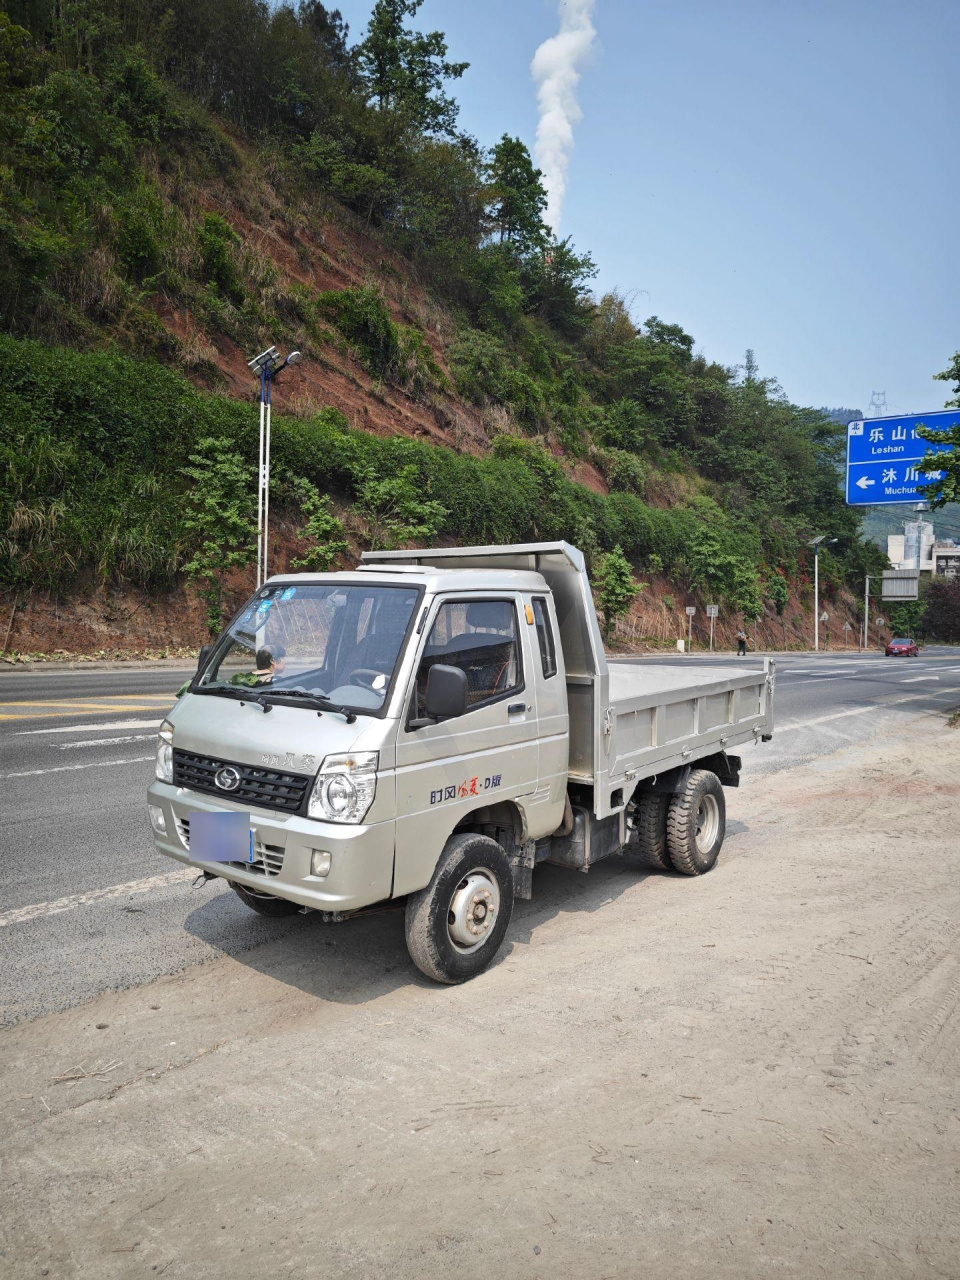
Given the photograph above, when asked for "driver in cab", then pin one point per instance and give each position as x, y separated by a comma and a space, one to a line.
270, 663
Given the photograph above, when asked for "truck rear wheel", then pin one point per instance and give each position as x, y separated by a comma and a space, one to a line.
265, 904
649, 846
455, 926
696, 822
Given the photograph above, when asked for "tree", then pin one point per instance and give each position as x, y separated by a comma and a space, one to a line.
673, 335
907, 618
219, 515
557, 289
944, 468
518, 197
405, 70
952, 374
942, 614
779, 596
322, 526
395, 512
617, 587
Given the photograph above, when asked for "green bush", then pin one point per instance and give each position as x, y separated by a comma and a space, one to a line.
361, 316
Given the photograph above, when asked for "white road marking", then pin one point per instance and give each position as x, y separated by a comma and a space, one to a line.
66, 768
836, 715
105, 742
92, 728
20, 915
859, 711
914, 679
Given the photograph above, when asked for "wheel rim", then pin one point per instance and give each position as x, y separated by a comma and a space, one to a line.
708, 823
473, 909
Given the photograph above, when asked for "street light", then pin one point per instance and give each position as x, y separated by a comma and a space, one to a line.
816, 543
266, 366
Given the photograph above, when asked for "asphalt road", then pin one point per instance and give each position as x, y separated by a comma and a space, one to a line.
86, 903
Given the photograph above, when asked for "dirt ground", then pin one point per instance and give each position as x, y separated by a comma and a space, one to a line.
746, 1075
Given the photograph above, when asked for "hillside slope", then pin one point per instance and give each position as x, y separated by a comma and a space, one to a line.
168, 212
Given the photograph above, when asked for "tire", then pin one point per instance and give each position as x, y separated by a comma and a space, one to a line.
696, 822
472, 876
265, 904
649, 848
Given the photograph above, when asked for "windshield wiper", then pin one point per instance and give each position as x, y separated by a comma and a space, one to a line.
240, 692
315, 699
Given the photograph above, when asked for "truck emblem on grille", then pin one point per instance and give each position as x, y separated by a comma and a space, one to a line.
227, 779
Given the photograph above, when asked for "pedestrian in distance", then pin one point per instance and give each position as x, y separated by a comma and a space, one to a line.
741, 643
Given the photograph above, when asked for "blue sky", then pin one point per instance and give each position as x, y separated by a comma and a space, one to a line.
774, 174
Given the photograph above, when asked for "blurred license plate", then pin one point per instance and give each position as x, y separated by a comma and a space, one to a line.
221, 837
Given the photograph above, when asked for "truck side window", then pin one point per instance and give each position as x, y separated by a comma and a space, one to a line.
479, 637
548, 654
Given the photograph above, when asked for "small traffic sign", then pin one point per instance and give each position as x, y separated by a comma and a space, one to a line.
691, 610
884, 456
824, 617
880, 622
713, 611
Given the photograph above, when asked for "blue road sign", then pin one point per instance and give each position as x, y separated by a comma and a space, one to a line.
884, 457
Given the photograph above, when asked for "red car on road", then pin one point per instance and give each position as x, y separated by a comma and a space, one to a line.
902, 647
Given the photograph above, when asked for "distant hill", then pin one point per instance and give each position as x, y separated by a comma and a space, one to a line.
842, 415
881, 521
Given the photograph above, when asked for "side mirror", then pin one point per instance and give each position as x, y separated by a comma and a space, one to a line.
205, 652
446, 692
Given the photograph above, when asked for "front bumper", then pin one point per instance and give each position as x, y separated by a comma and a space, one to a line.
361, 857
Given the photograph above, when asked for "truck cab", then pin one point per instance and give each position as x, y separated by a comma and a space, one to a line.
423, 730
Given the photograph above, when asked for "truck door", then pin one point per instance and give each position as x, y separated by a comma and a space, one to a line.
545, 807
446, 770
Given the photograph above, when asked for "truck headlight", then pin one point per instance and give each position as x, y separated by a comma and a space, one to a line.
165, 753
345, 787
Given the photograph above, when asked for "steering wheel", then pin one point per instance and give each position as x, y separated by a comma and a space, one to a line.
365, 677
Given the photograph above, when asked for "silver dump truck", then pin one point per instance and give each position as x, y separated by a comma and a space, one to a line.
425, 729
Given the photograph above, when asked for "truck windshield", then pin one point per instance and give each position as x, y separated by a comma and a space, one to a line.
336, 641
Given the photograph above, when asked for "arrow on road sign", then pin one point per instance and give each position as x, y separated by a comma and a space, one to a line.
863, 482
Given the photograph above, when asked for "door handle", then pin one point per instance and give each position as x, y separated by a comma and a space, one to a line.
515, 707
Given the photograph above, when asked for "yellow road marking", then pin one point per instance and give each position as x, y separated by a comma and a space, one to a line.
108, 705
68, 709
142, 696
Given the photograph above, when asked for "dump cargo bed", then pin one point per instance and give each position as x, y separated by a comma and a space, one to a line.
664, 716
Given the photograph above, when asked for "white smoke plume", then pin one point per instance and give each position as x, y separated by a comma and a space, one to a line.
556, 69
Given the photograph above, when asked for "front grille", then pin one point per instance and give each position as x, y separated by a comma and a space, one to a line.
266, 788
267, 858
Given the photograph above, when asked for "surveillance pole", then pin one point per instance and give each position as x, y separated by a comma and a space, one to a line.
267, 364
815, 543
260, 464
268, 383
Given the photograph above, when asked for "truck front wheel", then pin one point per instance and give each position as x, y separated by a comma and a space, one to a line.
696, 822
456, 924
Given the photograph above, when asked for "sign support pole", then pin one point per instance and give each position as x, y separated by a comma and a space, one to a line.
866, 615
816, 599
